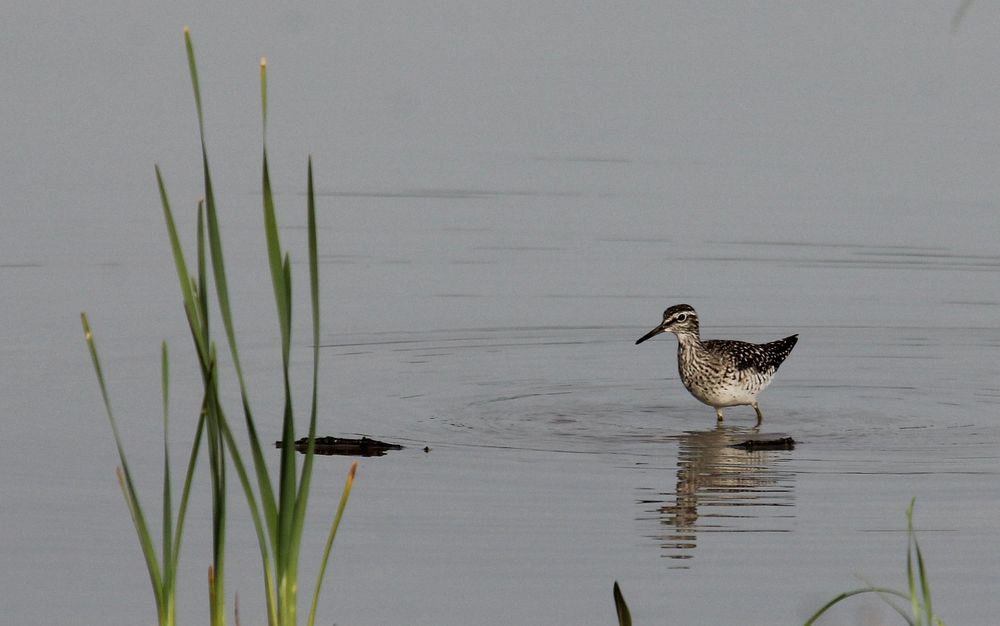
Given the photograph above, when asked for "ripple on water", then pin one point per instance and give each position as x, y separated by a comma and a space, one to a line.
865, 407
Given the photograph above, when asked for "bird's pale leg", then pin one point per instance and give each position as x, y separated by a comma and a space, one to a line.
718, 414
760, 415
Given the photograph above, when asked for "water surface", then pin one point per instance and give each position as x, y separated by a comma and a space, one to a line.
509, 196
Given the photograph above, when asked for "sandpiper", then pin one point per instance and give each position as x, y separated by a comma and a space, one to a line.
721, 373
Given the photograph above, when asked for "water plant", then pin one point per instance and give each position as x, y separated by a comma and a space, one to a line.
277, 510
621, 608
921, 609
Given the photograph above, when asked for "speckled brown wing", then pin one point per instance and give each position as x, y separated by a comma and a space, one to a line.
765, 358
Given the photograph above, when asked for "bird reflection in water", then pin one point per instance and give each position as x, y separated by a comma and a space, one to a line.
721, 488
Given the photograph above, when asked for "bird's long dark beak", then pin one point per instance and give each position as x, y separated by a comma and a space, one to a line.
656, 331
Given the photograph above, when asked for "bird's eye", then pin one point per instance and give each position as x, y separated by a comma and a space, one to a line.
682, 317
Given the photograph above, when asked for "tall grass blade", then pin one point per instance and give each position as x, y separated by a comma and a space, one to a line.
274, 253
274, 257
286, 473
911, 586
621, 608
186, 492
166, 545
125, 481
202, 284
305, 481
856, 592
187, 287
925, 586
314, 299
213, 594
329, 540
217, 471
193, 70
145, 541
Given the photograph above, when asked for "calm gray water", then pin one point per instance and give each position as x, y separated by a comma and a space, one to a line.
510, 195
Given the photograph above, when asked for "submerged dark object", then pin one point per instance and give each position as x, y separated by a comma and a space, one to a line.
345, 446
782, 443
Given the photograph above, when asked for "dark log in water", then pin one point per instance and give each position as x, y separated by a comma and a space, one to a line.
346, 446
750, 445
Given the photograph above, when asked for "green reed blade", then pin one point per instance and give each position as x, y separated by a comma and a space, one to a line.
282, 305
274, 252
330, 537
145, 541
925, 586
847, 594
217, 473
169, 574
184, 278
314, 300
193, 70
305, 481
284, 549
202, 274
911, 583
286, 507
267, 500
213, 596
186, 492
621, 608
302, 495
286, 552
314, 296
275, 257
125, 480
